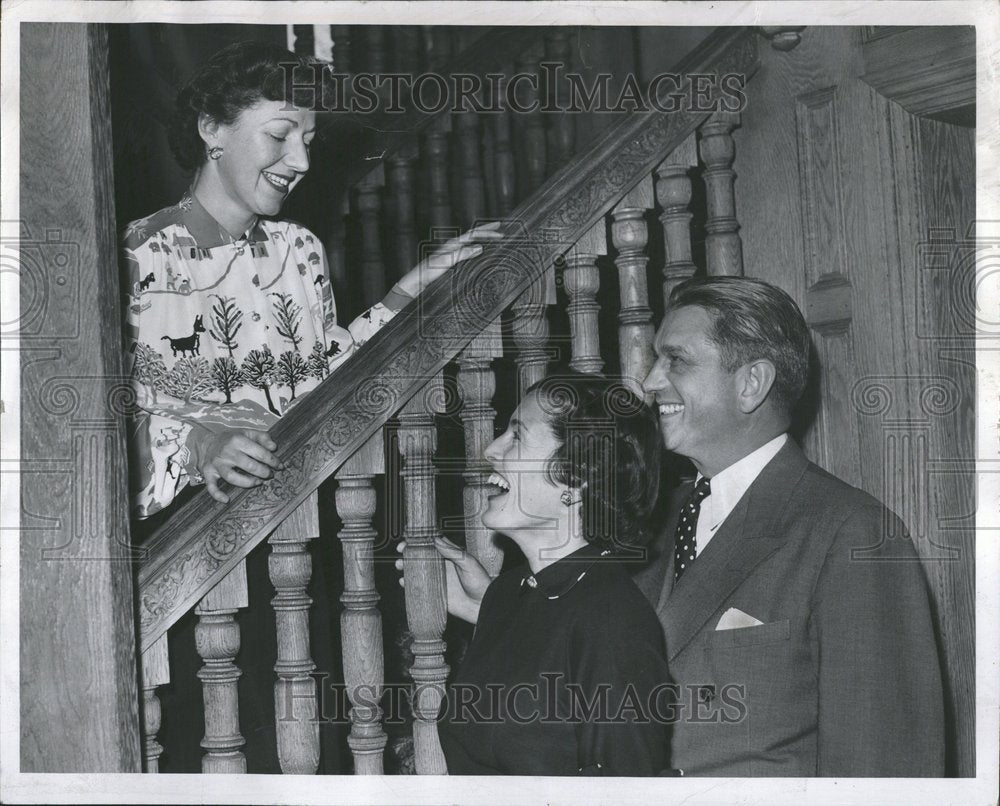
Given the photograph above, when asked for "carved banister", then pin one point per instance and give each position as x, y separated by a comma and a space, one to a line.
204, 539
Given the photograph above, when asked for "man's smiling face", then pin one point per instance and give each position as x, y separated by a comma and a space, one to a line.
696, 397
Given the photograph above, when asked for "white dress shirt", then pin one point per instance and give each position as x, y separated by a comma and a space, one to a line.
728, 487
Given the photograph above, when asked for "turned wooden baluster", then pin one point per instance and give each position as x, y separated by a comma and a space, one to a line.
336, 251
370, 214
673, 190
155, 672
295, 705
582, 280
629, 235
473, 195
561, 125
439, 43
217, 638
723, 247
341, 35
304, 43
375, 49
360, 621
530, 329
477, 385
504, 172
436, 151
408, 49
426, 607
531, 126
404, 209
488, 160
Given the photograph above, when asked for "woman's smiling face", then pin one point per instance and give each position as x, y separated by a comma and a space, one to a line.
525, 499
265, 154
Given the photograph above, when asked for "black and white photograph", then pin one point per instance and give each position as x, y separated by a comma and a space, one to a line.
551, 402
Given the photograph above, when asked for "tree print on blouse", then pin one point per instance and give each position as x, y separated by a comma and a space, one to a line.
317, 365
227, 376
287, 314
227, 320
260, 371
149, 368
292, 370
188, 378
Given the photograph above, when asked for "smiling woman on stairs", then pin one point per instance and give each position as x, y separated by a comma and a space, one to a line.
231, 317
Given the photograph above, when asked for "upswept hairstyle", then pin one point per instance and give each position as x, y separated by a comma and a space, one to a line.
753, 320
233, 79
609, 447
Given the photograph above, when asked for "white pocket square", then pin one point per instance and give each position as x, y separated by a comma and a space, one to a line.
734, 619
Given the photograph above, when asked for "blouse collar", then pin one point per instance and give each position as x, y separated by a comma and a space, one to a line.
560, 577
207, 232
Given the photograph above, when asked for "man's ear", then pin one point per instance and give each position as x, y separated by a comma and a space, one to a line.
208, 127
758, 378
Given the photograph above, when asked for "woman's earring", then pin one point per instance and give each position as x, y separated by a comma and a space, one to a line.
215, 152
567, 498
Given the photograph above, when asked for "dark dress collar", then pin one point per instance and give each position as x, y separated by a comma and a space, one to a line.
209, 233
560, 577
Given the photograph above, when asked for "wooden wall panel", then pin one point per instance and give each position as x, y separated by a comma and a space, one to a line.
854, 184
79, 698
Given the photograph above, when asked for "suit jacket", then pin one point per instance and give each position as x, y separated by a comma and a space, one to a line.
843, 676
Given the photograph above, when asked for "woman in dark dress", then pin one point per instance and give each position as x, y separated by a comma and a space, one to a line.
567, 662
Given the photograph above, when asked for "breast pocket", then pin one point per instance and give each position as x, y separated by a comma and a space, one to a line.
770, 633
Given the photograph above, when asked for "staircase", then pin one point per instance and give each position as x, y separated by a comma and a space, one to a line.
565, 212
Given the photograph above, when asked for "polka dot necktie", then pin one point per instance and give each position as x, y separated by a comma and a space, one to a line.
685, 542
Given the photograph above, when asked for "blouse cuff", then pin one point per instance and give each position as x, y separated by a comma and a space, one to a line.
396, 299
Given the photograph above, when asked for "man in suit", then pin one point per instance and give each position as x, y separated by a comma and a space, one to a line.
795, 609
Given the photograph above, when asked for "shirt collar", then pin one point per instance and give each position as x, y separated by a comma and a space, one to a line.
729, 485
559, 577
209, 233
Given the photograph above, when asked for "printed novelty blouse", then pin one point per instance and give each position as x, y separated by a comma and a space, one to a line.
222, 332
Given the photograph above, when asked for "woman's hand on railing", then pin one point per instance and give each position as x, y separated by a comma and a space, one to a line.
242, 456
465, 579
467, 245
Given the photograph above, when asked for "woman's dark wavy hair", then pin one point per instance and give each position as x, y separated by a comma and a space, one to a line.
609, 448
234, 79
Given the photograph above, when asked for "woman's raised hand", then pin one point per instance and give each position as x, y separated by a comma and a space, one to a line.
242, 456
465, 578
467, 245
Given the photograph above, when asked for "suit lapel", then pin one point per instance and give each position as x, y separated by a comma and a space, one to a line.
747, 537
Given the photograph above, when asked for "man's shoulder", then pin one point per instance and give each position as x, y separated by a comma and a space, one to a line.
824, 509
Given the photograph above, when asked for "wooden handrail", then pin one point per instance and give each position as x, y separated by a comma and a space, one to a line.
189, 554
